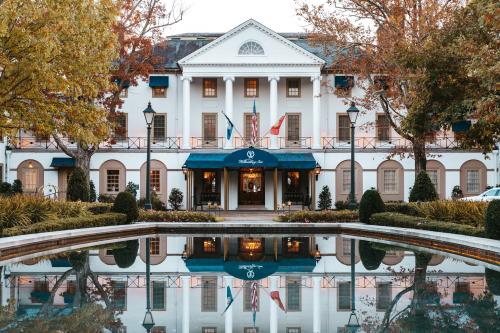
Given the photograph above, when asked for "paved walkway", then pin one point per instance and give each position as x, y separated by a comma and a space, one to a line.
248, 216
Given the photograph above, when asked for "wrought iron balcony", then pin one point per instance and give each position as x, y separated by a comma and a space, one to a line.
390, 143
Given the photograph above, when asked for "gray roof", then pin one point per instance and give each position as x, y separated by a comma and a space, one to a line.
176, 47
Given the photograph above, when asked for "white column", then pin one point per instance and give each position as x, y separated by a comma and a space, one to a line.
185, 303
228, 319
316, 139
316, 304
186, 112
273, 308
229, 107
273, 108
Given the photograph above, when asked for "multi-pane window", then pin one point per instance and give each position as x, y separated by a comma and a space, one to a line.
119, 294
293, 330
209, 330
384, 295
209, 294
158, 295
120, 126
346, 181
159, 92
293, 294
155, 180
159, 329
251, 330
293, 127
113, 181
346, 246
383, 128
344, 295
247, 297
390, 181
344, 127
29, 179
154, 246
209, 128
293, 87
209, 87
251, 87
249, 126
433, 175
160, 127
473, 181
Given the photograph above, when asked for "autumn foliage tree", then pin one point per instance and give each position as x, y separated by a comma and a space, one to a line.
396, 49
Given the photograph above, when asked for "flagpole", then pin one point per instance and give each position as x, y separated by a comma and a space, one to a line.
235, 128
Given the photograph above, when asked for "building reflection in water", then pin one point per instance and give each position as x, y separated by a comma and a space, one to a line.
189, 279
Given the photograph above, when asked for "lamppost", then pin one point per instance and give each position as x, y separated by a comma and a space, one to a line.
149, 115
353, 323
148, 323
352, 112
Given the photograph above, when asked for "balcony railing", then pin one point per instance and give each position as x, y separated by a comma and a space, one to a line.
296, 143
391, 143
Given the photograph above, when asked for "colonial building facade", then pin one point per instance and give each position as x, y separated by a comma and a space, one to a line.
248, 68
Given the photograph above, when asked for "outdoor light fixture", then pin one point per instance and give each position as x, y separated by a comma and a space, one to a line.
317, 254
148, 323
30, 165
149, 114
317, 170
353, 112
184, 255
185, 171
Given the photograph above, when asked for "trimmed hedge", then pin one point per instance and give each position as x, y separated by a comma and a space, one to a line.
125, 256
493, 220
321, 216
370, 203
99, 208
101, 220
125, 203
405, 221
403, 208
174, 216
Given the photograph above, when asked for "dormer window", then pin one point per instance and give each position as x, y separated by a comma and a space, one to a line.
251, 48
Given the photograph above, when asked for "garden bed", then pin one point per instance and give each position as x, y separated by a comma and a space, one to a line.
320, 216
175, 216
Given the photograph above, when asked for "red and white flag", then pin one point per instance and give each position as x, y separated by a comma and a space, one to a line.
255, 128
275, 130
275, 296
254, 299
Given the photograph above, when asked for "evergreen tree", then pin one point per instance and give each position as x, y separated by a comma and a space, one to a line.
78, 187
325, 198
175, 199
92, 194
423, 189
17, 187
132, 188
125, 203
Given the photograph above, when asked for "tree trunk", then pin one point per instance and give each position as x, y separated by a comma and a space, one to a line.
82, 160
418, 301
420, 156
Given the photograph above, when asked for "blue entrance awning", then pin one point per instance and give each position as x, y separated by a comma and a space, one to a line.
62, 162
158, 81
251, 158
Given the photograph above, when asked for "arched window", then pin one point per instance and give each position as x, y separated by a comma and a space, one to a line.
473, 177
343, 180
251, 48
30, 172
158, 180
112, 176
390, 180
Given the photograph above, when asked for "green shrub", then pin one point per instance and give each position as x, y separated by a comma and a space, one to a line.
403, 208
423, 189
17, 187
492, 223
456, 192
325, 199
321, 216
132, 188
92, 193
175, 198
156, 203
174, 216
371, 258
341, 205
67, 224
125, 256
106, 198
125, 203
99, 207
493, 281
370, 203
462, 212
78, 187
5, 188
405, 221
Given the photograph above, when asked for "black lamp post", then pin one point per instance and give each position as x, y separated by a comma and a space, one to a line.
353, 323
317, 170
149, 115
148, 323
353, 112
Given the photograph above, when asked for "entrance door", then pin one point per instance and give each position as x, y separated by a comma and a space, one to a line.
251, 187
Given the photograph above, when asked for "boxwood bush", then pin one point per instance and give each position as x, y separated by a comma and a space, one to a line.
371, 258
403, 208
99, 207
174, 216
423, 189
321, 216
493, 220
125, 256
101, 220
370, 203
405, 221
125, 203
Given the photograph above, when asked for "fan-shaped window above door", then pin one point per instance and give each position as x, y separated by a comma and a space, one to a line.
251, 48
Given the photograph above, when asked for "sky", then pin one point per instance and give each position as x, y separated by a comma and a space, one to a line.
223, 15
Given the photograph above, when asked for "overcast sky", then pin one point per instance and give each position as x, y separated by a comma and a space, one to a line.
223, 15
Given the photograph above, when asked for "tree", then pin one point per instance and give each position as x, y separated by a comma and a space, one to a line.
55, 56
132, 188
17, 186
78, 187
492, 220
325, 198
138, 28
396, 49
175, 198
423, 189
92, 193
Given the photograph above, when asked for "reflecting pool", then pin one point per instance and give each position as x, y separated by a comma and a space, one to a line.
271, 284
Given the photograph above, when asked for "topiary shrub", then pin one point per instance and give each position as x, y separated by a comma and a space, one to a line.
132, 188
5, 188
423, 189
492, 225
325, 199
78, 187
106, 198
371, 258
92, 193
175, 198
493, 281
17, 187
125, 257
370, 203
125, 203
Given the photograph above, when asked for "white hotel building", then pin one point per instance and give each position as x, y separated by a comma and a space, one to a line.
284, 74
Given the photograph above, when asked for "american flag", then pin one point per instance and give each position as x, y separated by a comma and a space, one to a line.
254, 298
254, 124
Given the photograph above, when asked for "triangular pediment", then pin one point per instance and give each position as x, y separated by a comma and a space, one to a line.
251, 43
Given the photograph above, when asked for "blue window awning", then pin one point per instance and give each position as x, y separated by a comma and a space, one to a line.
342, 81
62, 162
158, 81
205, 161
296, 161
